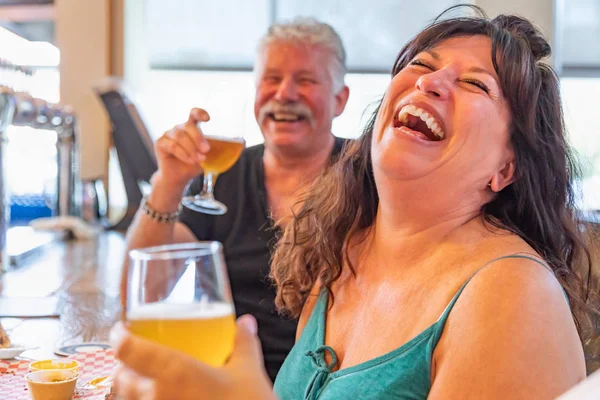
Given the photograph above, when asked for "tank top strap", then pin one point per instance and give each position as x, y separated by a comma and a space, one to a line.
313, 333
442, 319
319, 316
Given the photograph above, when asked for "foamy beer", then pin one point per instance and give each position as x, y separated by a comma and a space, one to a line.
178, 296
223, 153
205, 333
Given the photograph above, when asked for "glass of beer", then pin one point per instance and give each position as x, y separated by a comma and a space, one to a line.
223, 154
178, 295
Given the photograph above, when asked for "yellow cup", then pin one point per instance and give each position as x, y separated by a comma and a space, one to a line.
64, 364
52, 384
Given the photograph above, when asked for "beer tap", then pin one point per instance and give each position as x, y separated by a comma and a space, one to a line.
21, 109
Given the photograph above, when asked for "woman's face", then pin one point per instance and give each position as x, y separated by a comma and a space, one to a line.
444, 118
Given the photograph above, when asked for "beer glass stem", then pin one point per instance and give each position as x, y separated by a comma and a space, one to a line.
208, 186
205, 200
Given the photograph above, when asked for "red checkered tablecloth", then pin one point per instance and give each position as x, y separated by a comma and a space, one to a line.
93, 365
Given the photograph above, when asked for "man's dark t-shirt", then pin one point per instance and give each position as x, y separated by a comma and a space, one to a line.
248, 235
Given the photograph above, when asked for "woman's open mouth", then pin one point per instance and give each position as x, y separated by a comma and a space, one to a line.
420, 122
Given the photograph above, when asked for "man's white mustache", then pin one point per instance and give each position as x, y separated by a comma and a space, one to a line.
273, 107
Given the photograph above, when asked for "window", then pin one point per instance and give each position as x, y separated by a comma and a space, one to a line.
203, 34
581, 30
580, 102
580, 86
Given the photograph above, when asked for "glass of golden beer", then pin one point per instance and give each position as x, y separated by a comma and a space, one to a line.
223, 154
178, 295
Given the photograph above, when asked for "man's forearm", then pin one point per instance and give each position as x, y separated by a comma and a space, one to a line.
146, 231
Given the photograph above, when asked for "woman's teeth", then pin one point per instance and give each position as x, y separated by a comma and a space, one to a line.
431, 122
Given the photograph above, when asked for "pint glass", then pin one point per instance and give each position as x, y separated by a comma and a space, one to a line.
178, 295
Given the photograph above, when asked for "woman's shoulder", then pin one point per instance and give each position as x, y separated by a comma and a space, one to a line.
513, 313
518, 274
505, 266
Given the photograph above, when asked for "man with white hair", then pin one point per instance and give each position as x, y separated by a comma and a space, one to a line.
300, 68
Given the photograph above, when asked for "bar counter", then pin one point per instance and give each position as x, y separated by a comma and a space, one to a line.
85, 275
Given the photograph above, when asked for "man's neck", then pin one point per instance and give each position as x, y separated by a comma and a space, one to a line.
281, 166
287, 176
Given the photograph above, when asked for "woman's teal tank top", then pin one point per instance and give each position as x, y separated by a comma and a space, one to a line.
404, 373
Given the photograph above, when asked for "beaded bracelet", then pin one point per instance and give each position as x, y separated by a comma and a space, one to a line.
166, 218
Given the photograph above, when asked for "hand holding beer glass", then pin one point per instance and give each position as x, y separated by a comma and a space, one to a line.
225, 149
178, 295
184, 152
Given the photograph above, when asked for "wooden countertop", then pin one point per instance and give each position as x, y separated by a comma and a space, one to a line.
86, 275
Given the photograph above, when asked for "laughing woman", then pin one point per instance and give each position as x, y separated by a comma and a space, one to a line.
436, 259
